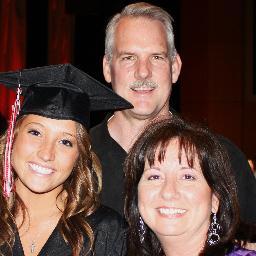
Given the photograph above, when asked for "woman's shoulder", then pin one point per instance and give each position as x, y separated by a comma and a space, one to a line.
238, 251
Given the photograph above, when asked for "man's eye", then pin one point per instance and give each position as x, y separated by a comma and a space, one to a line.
34, 132
158, 57
130, 57
67, 143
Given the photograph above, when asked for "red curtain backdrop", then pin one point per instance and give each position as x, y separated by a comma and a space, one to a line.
12, 45
13, 40
60, 33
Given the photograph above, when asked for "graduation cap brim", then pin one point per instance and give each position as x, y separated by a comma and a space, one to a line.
101, 97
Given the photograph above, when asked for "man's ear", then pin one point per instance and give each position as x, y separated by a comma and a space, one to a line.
176, 67
215, 203
106, 69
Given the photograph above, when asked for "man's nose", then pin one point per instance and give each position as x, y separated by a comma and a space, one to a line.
143, 69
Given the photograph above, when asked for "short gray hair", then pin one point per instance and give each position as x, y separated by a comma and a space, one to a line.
136, 10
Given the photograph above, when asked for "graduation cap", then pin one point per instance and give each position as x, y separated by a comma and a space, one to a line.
59, 92
62, 92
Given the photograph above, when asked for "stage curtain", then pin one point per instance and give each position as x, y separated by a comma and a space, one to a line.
12, 45
60, 33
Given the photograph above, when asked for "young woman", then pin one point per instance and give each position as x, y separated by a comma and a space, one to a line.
180, 194
51, 179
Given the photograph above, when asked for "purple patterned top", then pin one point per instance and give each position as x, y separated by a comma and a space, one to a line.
242, 252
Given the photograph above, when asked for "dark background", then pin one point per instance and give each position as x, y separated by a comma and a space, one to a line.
254, 48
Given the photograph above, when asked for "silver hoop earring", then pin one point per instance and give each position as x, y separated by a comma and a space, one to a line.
142, 229
213, 236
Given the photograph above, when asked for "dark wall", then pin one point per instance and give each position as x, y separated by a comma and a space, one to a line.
37, 33
217, 73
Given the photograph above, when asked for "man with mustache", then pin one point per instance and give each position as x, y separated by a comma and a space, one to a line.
141, 63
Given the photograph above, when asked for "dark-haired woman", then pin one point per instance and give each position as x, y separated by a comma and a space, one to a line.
180, 194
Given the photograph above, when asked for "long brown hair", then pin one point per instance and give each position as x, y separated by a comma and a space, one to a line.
82, 189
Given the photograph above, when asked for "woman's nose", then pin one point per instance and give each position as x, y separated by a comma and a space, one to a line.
47, 151
169, 190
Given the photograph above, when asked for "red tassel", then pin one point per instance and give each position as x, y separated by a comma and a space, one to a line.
8, 181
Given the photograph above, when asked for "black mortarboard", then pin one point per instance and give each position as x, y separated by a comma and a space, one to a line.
59, 92
62, 92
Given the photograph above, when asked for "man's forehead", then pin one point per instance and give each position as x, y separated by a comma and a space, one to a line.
127, 21
131, 34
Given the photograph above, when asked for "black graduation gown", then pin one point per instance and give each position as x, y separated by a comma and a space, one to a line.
109, 230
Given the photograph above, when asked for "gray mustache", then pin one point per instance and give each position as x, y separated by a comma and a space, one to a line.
144, 84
